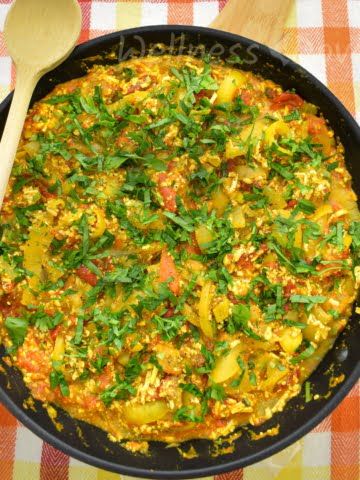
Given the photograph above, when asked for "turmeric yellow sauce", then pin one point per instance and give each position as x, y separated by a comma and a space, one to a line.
179, 248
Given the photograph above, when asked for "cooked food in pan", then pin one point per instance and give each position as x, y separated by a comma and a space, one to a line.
179, 248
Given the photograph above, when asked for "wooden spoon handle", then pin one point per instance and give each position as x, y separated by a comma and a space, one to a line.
26, 81
260, 20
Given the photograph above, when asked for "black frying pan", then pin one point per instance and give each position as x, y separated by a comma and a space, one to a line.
298, 417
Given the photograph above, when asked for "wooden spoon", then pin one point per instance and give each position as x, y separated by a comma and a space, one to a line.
39, 35
260, 20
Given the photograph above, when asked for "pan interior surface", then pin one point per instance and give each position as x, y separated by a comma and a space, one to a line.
90, 444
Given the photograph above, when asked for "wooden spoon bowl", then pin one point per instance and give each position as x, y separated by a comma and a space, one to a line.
39, 35
260, 20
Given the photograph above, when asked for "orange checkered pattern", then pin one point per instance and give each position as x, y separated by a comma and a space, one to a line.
328, 33
323, 36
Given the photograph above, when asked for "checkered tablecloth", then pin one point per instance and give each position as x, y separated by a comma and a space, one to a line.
323, 36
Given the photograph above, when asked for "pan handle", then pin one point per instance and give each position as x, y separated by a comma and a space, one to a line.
260, 20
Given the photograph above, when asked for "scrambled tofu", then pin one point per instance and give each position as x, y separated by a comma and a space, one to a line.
179, 248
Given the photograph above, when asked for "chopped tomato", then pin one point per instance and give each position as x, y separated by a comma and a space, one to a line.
9, 306
246, 96
90, 402
287, 99
317, 128
203, 93
232, 164
231, 296
291, 203
134, 88
169, 312
316, 125
72, 85
192, 205
192, 249
33, 360
289, 288
85, 274
171, 165
144, 83
54, 332
162, 178
105, 378
119, 243
245, 187
169, 197
104, 264
245, 261
168, 271
40, 391
8, 286
43, 188
168, 193
192, 246
270, 92
122, 139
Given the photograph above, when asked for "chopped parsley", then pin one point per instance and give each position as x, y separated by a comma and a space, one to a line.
57, 379
239, 321
17, 329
